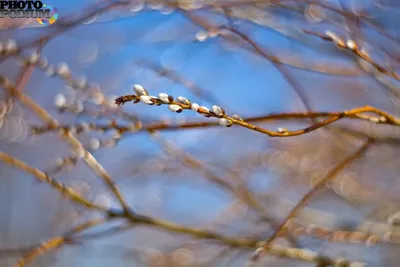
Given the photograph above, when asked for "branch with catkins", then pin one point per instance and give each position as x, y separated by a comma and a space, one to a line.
182, 103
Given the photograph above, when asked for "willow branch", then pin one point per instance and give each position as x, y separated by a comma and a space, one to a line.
226, 120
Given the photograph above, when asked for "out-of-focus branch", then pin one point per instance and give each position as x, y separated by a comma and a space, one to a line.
340, 236
57, 242
68, 136
388, 232
141, 219
66, 191
238, 37
352, 46
294, 253
241, 191
64, 26
318, 186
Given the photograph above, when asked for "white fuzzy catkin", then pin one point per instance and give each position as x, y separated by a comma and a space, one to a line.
50, 71
34, 58
63, 69
195, 107
60, 100
175, 108
237, 117
282, 130
146, 99
225, 122
165, 98
217, 110
183, 100
139, 90
11, 46
95, 143
350, 44
331, 35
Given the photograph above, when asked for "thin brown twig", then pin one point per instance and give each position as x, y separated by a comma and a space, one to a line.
58, 241
26, 73
340, 236
356, 50
63, 164
43, 177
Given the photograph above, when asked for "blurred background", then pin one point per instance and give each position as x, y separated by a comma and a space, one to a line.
252, 58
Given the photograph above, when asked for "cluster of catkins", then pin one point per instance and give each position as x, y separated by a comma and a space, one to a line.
179, 105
